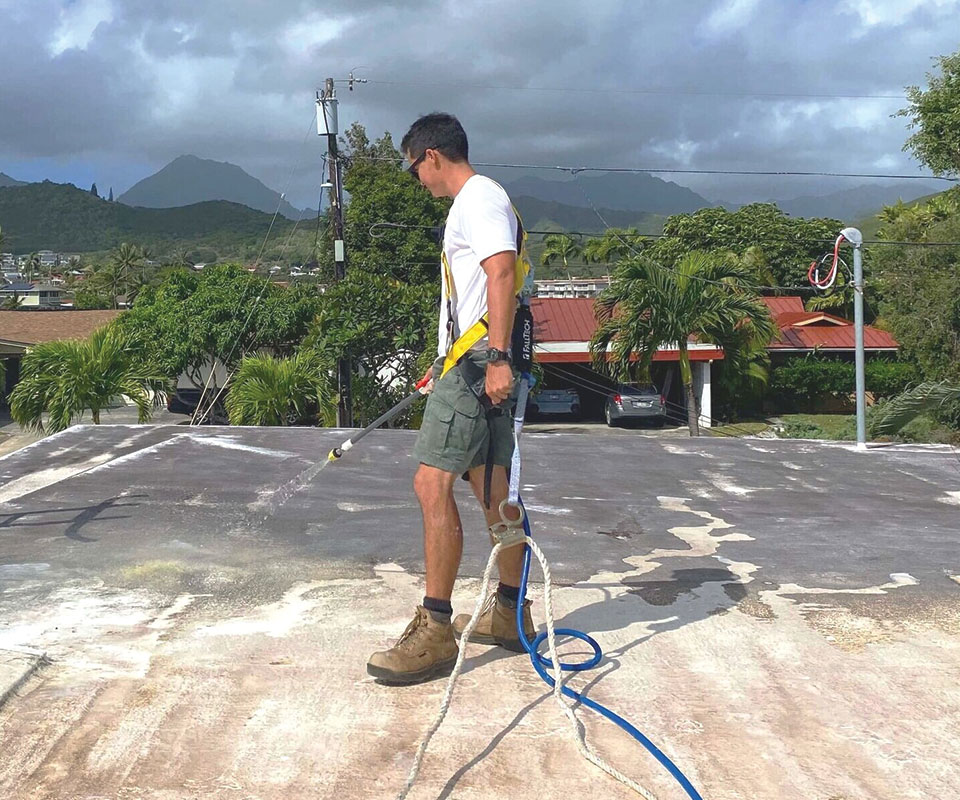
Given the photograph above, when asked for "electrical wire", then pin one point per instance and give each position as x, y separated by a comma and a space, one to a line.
604, 391
813, 274
601, 234
654, 90
243, 296
681, 171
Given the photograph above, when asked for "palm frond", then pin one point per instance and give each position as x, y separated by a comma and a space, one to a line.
890, 417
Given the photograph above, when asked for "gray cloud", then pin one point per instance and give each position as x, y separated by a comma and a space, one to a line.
127, 86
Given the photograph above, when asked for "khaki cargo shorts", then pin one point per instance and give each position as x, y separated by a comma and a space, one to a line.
455, 431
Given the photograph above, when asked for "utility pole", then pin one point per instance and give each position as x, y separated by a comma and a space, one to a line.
327, 126
855, 238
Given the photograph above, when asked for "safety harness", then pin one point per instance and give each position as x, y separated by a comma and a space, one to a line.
462, 342
521, 346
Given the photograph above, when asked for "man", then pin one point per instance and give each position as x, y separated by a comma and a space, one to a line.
480, 255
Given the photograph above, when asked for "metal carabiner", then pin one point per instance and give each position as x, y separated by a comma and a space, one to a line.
508, 532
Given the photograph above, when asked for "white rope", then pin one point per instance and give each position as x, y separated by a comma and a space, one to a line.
578, 730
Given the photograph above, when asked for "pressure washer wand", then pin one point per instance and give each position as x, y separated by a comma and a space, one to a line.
421, 390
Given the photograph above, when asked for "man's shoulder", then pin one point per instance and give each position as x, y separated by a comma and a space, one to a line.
480, 188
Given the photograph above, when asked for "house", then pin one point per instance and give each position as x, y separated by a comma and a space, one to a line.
19, 330
31, 295
805, 332
571, 287
563, 327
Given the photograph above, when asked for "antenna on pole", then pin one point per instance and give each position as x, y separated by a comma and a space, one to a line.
328, 125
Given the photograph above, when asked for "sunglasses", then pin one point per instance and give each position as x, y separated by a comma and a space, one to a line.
414, 168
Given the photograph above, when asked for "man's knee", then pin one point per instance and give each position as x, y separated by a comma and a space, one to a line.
431, 484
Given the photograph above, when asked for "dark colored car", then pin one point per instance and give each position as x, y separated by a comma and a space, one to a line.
642, 403
555, 403
184, 401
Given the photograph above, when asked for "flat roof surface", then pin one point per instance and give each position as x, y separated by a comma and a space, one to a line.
781, 617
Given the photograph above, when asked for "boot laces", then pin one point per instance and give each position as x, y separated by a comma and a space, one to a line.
412, 632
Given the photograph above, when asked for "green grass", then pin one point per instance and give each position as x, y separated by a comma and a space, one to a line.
841, 427
750, 428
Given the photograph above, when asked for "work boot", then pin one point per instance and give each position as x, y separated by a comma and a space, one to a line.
497, 624
427, 648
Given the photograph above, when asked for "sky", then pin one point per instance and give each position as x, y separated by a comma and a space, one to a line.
111, 90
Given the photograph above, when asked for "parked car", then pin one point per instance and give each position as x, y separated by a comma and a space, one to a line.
184, 401
555, 403
635, 403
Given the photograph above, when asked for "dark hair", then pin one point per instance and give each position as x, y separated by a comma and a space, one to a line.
436, 131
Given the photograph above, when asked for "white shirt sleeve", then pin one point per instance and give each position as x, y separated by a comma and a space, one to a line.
489, 224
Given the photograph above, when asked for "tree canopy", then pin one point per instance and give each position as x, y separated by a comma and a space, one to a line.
381, 191
935, 118
222, 313
788, 244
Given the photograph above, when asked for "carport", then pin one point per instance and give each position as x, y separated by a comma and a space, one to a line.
563, 328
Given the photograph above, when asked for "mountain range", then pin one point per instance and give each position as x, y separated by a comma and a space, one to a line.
187, 180
66, 219
585, 202
6, 180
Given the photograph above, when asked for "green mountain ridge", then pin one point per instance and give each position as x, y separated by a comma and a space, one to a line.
6, 180
188, 180
63, 218
546, 215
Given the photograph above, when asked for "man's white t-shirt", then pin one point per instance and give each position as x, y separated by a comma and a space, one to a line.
481, 223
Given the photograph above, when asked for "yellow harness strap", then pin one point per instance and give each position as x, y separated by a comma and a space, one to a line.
478, 330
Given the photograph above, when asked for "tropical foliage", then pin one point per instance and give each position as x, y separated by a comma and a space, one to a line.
65, 379
935, 117
648, 306
298, 390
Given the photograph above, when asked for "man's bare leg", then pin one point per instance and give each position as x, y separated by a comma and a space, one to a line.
509, 561
442, 531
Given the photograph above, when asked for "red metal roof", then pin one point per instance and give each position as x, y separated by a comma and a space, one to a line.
784, 305
809, 330
839, 337
570, 319
563, 319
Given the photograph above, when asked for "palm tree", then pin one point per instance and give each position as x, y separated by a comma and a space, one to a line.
127, 261
559, 246
12, 303
890, 417
282, 391
179, 257
66, 378
649, 306
615, 244
33, 265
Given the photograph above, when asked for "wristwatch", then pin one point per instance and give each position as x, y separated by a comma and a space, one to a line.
494, 355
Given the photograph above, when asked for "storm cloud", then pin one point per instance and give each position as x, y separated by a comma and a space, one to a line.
111, 90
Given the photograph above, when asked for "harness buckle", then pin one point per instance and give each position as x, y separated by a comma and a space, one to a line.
508, 532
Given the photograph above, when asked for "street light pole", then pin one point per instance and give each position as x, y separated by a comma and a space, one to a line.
855, 238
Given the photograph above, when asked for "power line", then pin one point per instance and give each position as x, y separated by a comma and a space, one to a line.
601, 234
599, 389
650, 90
677, 171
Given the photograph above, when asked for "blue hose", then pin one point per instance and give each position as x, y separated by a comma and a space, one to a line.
541, 664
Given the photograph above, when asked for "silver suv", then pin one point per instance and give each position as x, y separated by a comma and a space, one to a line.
635, 402
555, 403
